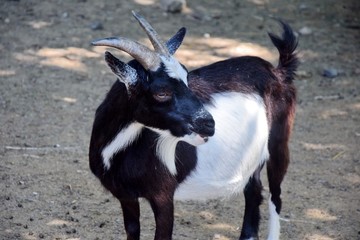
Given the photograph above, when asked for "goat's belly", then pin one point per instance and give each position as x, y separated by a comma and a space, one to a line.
227, 161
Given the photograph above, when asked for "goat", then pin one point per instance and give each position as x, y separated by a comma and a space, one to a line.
163, 133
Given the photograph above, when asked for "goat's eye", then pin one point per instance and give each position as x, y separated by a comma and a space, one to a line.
163, 96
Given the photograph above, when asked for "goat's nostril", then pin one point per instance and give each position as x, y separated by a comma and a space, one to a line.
209, 123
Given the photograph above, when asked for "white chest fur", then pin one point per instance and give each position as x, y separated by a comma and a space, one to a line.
238, 147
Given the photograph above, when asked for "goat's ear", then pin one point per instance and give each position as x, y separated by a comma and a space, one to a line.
174, 43
125, 73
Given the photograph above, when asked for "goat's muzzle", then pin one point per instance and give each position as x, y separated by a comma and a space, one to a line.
204, 126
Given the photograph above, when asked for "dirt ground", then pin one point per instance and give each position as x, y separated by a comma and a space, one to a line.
52, 80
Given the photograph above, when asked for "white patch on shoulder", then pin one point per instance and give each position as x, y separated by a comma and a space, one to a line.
239, 145
174, 69
123, 139
274, 222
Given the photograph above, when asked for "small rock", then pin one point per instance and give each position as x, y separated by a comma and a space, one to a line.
173, 6
65, 15
7, 20
305, 31
303, 6
217, 236
201, 14
303, 74
96, 26
206, 35
41, 235
330, 72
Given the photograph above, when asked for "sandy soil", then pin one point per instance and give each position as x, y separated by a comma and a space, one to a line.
52, 80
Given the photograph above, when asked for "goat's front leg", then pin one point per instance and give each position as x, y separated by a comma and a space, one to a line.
131, 214
253, 199
163, 208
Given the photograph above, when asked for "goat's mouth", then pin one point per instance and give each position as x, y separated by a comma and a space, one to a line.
195, 139
203, 133
205, 137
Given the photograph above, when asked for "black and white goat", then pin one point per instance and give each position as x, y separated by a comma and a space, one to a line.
163, 133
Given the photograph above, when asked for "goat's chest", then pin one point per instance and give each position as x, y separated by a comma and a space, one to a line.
230, 157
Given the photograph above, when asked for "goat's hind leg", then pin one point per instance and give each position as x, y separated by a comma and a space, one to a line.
276, 170
131, 215
253, 199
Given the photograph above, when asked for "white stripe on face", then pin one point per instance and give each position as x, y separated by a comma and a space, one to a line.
174, 69
123, 139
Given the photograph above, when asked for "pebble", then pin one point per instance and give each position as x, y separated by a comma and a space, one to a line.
305, 31
303, 74
217, 236
303, 6
173, 6
330, 72
206, 35
201, 14
96, 26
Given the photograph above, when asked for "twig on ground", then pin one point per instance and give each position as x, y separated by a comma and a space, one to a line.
330, 97
296, 220
56, 147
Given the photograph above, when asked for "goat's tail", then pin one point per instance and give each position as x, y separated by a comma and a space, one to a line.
286, 45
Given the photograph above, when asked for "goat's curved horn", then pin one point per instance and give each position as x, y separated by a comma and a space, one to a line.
159, 46
146, 57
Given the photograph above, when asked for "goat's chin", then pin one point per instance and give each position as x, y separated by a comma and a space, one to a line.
195, 139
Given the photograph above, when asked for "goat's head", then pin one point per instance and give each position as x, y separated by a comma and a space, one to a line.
159, 90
